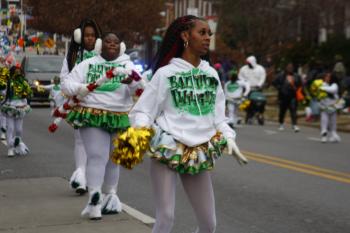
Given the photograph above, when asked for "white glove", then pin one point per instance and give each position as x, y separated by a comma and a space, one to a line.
83, 91
121, 70
234, 150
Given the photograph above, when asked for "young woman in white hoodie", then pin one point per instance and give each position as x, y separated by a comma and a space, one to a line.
85, 43
99, 116
329, 107
185, 104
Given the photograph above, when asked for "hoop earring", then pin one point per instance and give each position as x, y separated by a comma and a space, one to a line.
186, 44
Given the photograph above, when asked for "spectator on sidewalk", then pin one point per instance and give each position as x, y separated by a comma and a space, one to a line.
339, 71
287, 83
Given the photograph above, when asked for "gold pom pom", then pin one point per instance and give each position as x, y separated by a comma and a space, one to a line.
130, 146
244, 105
316, 91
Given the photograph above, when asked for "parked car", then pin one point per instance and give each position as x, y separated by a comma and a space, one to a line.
40, 70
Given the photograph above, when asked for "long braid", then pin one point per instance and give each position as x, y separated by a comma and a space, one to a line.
173, 45
76, 49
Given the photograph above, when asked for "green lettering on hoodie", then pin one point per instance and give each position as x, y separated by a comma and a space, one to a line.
98, 70
195, 95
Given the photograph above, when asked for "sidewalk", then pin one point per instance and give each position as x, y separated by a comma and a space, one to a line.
343, 120
47, 205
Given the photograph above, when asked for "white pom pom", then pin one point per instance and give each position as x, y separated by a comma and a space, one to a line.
122, 48
98, 46
77, 35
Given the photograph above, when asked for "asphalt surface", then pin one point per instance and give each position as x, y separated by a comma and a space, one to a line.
293, 183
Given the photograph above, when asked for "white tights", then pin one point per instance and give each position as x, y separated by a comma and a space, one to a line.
79, 151
100, 170
328, 122
232, 109
199, 190
14, 129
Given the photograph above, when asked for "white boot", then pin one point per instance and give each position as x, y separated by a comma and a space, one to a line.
334, 137
78, 181
93, 208
111, 203
21, 149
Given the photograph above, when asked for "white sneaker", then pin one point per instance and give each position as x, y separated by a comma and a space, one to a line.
296, 128
111, 204
281, 128
78, 181
11, 152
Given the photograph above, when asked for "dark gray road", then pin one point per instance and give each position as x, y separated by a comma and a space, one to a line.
293, 183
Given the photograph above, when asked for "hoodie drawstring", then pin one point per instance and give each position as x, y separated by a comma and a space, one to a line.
195, 93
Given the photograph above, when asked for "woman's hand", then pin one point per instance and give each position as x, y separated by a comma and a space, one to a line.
234, 150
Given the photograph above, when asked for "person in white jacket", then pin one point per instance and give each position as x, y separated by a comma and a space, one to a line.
85, 43
235, 89
101, 114
255, 75
185, 104
328, 106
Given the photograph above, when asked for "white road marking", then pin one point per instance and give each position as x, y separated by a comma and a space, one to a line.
138, 215
4, 142
6, 171
314, 139
270, 132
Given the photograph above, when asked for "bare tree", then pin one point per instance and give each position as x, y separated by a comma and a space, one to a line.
125, 17
267, 27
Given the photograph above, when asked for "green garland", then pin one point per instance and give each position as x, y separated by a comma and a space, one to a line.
90, 117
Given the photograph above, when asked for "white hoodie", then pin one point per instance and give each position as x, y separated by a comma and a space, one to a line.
235, 90
255, 77
330, 89
192, 114
112, 95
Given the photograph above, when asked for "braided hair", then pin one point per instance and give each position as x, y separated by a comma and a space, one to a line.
173, 45
76, 49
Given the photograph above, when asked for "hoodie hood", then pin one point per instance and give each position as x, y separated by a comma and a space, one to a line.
122, 58
252, 60
183, 65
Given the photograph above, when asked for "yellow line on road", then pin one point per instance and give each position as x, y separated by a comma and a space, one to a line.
300, 167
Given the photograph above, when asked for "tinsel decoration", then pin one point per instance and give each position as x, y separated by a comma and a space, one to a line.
130, 146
